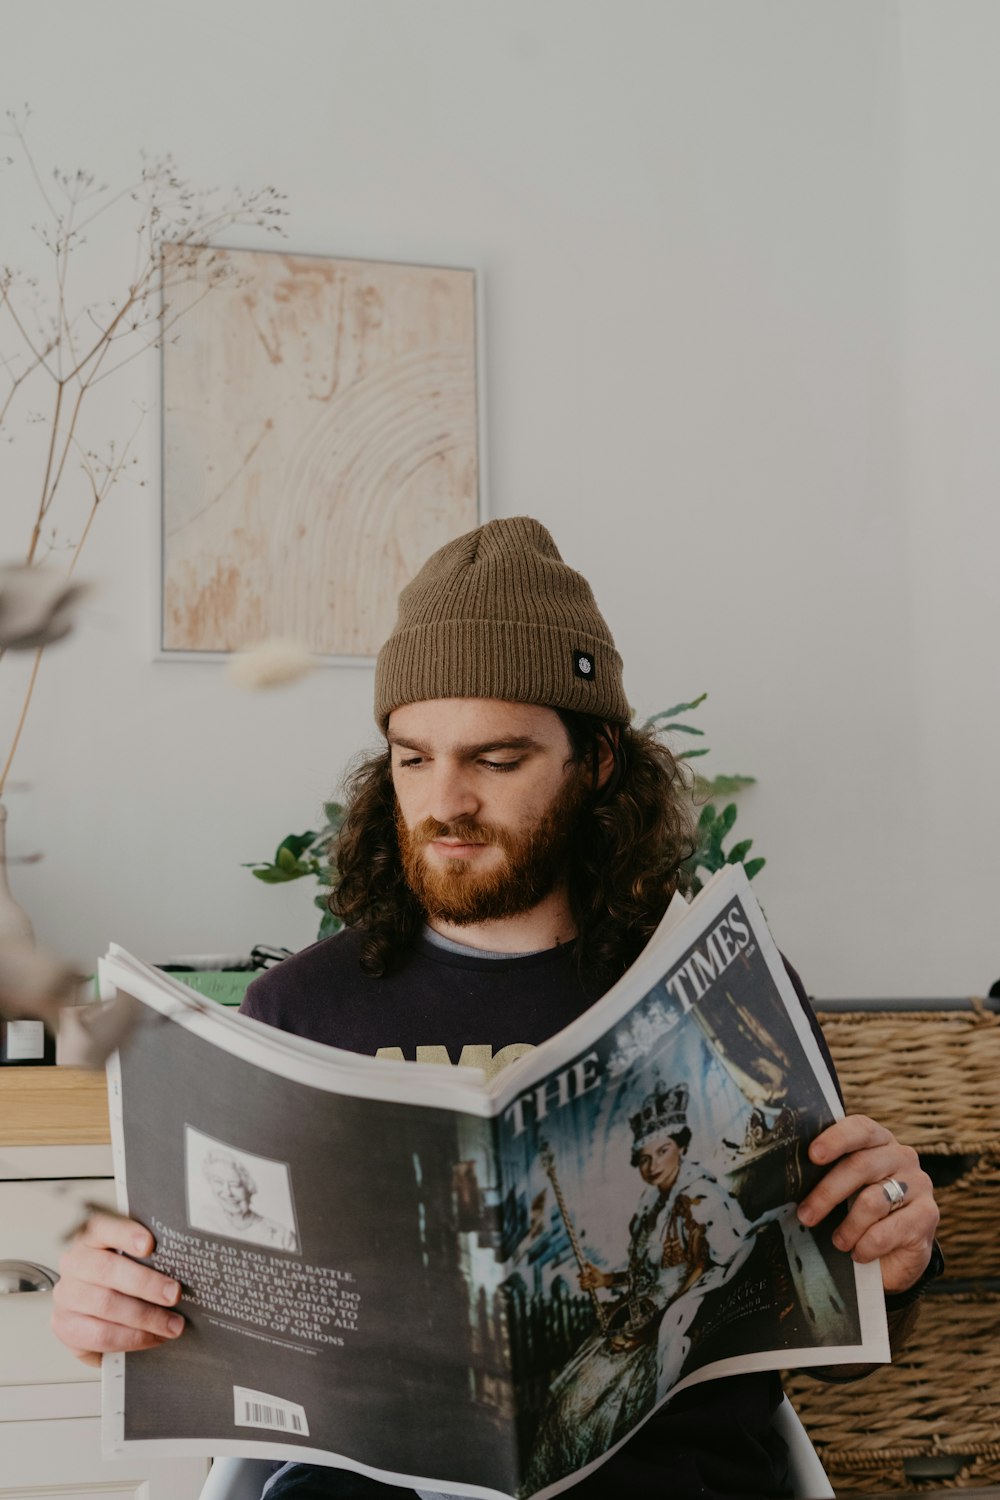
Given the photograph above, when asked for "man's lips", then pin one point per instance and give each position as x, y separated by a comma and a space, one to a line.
450, 849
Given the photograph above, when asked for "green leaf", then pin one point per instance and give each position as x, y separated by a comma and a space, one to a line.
675, 725
711, 831
738, 852
335, 815
285, 859
678, 708
682, 729
296, 844
754, 866
329, 925
723, 786
690, 754
728, 816
274, 875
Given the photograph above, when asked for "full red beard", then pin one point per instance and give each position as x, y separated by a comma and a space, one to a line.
534, 862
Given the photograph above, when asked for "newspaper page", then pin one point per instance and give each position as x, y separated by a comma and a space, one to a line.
546, 1259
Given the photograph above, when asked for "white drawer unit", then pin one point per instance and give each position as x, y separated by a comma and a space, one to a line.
35, 1218
60, 1459
50, 1446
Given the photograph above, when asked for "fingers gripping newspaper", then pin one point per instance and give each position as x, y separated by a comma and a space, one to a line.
481, 1288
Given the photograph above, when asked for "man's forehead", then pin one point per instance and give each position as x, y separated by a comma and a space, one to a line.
454, 722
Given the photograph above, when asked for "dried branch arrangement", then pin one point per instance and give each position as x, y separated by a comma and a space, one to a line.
57, 349
59, 346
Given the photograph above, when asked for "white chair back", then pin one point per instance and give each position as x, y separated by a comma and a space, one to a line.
806, 1474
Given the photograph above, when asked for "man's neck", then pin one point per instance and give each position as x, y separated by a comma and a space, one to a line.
544, 926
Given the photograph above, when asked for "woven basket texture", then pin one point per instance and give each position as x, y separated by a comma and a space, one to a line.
933, 1077
938, 1397
891, 1478
969, 1231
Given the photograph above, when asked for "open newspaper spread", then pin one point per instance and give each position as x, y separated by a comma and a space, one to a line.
470, 1287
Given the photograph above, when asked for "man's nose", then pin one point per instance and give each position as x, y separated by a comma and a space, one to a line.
453, 795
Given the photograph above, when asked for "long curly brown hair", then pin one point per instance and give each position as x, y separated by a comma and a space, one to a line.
627, 847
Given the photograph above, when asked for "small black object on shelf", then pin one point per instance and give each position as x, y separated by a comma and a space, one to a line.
26, 1044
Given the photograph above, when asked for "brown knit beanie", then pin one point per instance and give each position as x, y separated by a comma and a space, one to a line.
498, 614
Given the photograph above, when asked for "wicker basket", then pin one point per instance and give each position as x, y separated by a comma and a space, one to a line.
969, 1231
931, 1076
931, 1419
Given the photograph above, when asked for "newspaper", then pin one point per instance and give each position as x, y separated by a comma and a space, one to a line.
470, 1287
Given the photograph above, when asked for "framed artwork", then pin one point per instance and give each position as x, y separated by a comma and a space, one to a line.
321, 437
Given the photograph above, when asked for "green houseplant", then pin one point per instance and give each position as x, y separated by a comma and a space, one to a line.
307, 854
714, 825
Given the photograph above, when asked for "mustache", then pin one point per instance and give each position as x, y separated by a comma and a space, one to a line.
430, 829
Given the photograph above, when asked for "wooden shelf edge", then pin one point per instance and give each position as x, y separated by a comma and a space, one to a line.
53, 1107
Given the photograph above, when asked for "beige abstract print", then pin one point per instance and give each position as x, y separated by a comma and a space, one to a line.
320, 440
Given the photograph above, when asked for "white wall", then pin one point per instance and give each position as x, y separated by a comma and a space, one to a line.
950, 366
742, 349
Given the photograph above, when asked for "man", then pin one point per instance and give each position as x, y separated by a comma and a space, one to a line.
500, 866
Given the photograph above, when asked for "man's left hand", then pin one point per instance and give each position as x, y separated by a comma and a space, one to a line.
861, 1155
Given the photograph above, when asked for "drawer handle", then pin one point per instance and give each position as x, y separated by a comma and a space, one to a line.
25, 1276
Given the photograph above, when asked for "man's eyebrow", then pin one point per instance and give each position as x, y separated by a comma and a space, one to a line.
505, 742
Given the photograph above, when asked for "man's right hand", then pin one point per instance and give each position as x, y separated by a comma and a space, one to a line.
103, 1302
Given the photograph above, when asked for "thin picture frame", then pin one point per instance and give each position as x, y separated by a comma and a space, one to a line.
164, 652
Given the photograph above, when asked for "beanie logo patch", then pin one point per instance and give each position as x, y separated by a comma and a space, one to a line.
583, 665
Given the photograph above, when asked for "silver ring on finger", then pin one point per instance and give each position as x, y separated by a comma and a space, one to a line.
895, 1193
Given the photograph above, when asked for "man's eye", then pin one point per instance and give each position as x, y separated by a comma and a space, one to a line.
501, 765
414, 760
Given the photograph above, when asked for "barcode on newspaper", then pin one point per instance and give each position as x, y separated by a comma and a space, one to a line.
257, 1409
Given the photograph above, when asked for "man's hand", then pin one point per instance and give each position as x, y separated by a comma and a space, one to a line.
861, 1155
103, 1302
